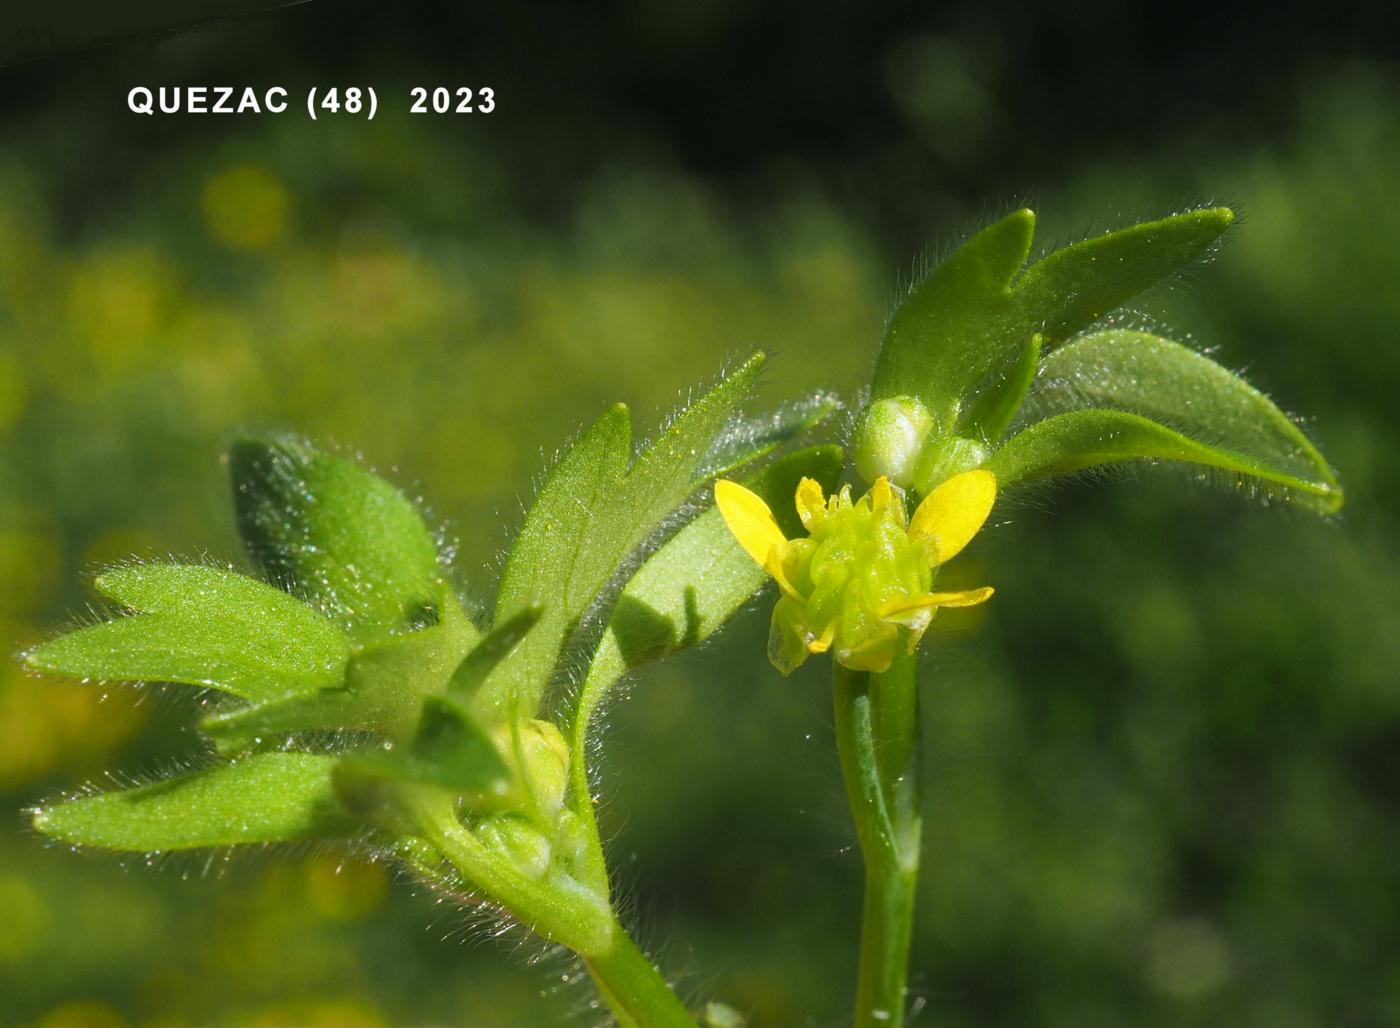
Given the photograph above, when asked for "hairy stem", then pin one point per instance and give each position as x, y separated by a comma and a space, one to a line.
568, 912
555, 906
633, 988
877, 737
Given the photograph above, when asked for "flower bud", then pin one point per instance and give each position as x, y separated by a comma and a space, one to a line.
520, 841
891, 438
541, 759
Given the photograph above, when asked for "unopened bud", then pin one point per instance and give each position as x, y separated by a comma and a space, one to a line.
521, 842
891, 438
540, 758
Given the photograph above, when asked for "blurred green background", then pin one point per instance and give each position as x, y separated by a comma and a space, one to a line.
1163, 763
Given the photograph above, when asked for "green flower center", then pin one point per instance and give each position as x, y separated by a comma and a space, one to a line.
857, 563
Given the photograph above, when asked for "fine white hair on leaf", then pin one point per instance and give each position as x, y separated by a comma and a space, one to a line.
1102, 224
744, 432
444, 539
944, 245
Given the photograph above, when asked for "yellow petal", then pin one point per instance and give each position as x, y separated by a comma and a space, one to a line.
907, 610
822, 643
954, 512
962, 598
917, 613
750, 521
912, 612
774, 566
811, 502
880, 494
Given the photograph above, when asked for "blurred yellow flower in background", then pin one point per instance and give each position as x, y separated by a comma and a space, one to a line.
246, 207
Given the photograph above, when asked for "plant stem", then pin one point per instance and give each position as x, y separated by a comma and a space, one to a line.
877, 737
569, 913
633, 988
559, 909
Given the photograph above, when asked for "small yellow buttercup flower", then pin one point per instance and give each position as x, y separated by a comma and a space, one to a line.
861, 583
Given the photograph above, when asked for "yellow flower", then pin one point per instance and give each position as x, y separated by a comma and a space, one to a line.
861, 583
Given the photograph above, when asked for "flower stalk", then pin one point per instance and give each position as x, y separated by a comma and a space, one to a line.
861, 587
878, 741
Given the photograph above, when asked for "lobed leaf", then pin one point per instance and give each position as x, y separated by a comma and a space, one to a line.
450, 750
958, 334
591, 513
996, 409
382, 690
1074, 287
494, 647
198, 625
266, 797
1125, 395
336, 534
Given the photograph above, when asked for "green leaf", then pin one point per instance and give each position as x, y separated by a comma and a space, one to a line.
238, 728
948, 332
493, 648
382, 691
206, 626
1126, 395
336, 534
450, 750
693, 583
1130, 395
592, 512
997, 407
1073, 288
750, 439
266, 797
960, 331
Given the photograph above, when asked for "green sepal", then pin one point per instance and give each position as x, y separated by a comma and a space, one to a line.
336, 534
261, 798
961, 330
592, 512
206, 626
694, 582
1124, 395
